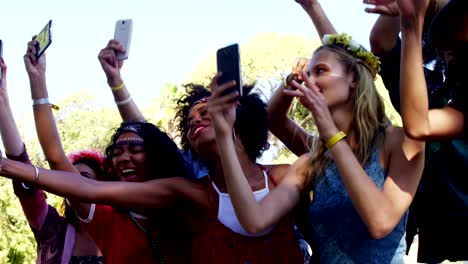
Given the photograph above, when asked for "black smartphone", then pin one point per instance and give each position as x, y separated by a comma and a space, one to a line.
43, 39
228, 62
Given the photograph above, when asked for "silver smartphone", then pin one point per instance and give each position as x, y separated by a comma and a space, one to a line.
123, 34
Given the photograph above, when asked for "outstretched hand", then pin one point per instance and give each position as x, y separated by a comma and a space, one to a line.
306, 4
222, 105
35, 68
407, 8
109, 62
390, 9
310, 97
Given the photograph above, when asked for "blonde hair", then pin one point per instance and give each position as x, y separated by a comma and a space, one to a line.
368, 116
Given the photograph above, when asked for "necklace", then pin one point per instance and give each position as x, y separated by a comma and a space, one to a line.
153, 241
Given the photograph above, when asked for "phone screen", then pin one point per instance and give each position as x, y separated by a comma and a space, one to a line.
228, 62
44, 38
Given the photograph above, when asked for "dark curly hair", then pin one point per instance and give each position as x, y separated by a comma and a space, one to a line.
163, 158
251, 118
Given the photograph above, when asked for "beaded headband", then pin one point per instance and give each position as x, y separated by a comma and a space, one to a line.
203, 100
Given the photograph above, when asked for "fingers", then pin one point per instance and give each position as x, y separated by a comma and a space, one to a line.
293, 93
381, 10
223, 101
108, 56
3, 67
115, 46
221, 98
214, 81
30, 56
299, 65
222, 89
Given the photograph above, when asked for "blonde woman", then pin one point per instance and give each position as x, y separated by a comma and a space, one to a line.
363, 172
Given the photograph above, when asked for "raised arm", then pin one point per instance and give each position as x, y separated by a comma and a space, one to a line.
45, 123
32, 199
160, 193
293, 136
319, 18
11, 138
385, 43
43, 117
254, 217
129, 111
420, 122
384, 35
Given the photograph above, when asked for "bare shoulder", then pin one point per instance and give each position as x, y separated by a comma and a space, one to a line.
393, 135
278, 171
397, 142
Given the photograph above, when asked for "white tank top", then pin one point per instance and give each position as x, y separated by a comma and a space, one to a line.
227, 216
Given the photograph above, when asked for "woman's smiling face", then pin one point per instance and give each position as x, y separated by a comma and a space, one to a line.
129, 157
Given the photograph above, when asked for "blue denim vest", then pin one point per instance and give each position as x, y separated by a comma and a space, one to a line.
337, 231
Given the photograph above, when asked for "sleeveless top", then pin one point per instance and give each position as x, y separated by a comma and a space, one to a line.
227, 216
220, 244
337, 231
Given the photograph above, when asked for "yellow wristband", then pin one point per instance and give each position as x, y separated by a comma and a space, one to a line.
333, 140
118, 87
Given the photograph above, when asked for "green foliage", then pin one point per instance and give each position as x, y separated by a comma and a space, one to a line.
17, 244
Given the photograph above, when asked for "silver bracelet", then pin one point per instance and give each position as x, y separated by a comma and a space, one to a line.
126, 101
41, 101
36, 176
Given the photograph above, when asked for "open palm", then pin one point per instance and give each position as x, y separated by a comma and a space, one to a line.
407, 7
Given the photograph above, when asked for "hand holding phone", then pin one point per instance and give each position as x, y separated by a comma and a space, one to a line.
43, 39
228, 62
123, 34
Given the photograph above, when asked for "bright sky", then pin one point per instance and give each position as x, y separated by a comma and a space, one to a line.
169, 39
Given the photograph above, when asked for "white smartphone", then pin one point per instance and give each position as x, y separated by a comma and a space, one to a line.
123, 34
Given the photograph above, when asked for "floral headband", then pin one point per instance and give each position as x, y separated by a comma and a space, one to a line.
369, 60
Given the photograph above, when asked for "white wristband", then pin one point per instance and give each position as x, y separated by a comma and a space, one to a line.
126, 101
41, 101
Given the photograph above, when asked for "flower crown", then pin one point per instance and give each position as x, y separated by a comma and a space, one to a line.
344, 41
